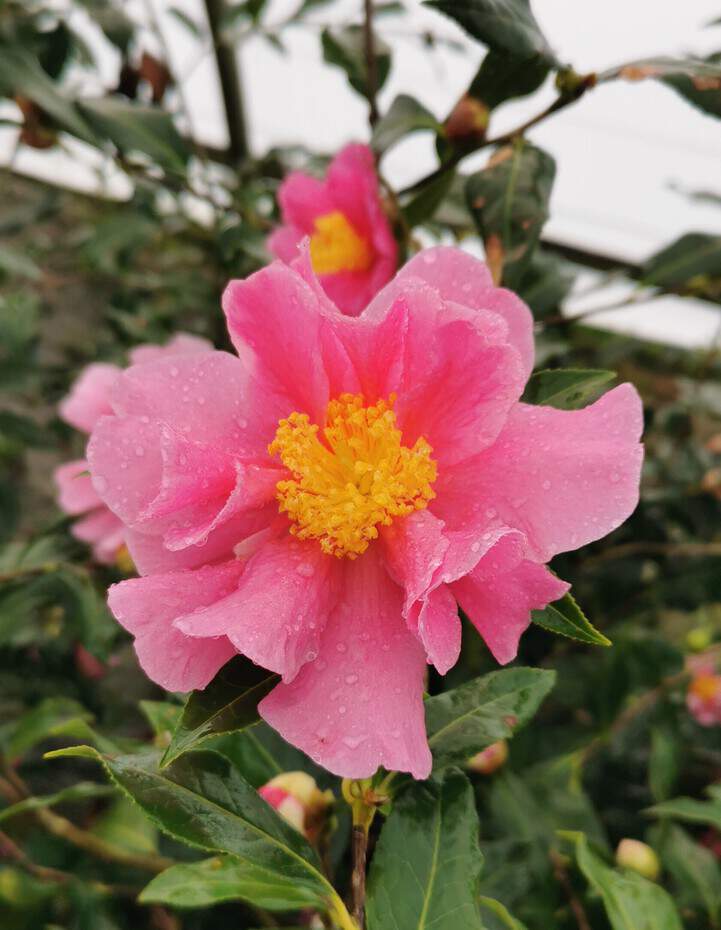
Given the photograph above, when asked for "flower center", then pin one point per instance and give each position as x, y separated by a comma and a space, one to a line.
706, 687
352, 476
335, 246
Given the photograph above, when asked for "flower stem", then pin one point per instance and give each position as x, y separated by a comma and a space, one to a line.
370, 61
358, 878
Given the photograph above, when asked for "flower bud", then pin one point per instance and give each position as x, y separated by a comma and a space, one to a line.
639, 857
467, 123
699, 638
299, 800
490, 759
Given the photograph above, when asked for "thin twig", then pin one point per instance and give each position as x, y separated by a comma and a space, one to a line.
561, 876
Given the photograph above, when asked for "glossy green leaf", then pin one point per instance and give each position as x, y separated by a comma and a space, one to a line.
509, 203
465, 720
20, 73
695, 870
223, 878
422, 206
503, 77
52, 717
345, 48
697, 80
82, 791
501, 917
503, 25
427, 862
134, 127
228, 704
690, 810
405, 116
631, 901
566, 618
202, 800
692, 255
566, 388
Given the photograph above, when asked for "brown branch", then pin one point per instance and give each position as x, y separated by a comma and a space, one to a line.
358, 878
561, 876
229, 82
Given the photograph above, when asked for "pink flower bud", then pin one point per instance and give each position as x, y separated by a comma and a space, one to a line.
703, 697
490, 759
639, 857
299, 800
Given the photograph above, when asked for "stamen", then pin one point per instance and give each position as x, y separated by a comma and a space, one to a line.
336, 246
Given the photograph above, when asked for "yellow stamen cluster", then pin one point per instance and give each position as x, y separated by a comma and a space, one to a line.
353, 476
335, 246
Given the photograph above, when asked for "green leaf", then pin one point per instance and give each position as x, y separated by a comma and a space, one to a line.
663, 763
223, 878
18, 264
547, 281
201, 800
566, 618
464, 721
566, 388
508, 200
52, 717
187, 21
260, 754
162, 716
20, 73
503, 25
82, 791
427, 199
228, 704
123, 824
134, 127
406, 115
691, 810
690, 256
503, 77
697, 80
345, 48
22, 430
502, 917
631, 901
695, 871
427, 862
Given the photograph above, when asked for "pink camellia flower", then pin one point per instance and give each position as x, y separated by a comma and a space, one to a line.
88, 400
324, 502
703, 697
352, 248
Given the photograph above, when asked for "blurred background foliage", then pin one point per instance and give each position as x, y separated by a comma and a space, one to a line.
85, 279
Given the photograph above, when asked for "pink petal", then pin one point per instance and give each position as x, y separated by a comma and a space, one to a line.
76, 493
439, 627
564, 478
351, 291
280, 608
360, 704
146, 607
103, 531
413, 548
283, 243
500, 593
276, 318
462, 279
206, 395
180, 344
302, 198
89, 397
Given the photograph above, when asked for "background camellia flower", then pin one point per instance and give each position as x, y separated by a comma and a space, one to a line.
88, 400
324, 502
703, 697
352, 248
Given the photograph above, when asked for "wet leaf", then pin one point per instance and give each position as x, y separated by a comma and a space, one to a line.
566, 388
566, 618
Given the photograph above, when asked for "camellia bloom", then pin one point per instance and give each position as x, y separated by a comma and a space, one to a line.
703, 697
88, 400
352, 248
323, 502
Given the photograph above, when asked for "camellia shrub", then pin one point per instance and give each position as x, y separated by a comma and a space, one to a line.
344, 581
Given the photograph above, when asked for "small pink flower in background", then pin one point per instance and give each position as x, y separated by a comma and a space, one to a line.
352, 248
87, 402
299, 800
324, 503
703, 697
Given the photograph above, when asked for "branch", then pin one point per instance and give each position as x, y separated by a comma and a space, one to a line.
358, 878
561, 876
229, 82
371, 62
